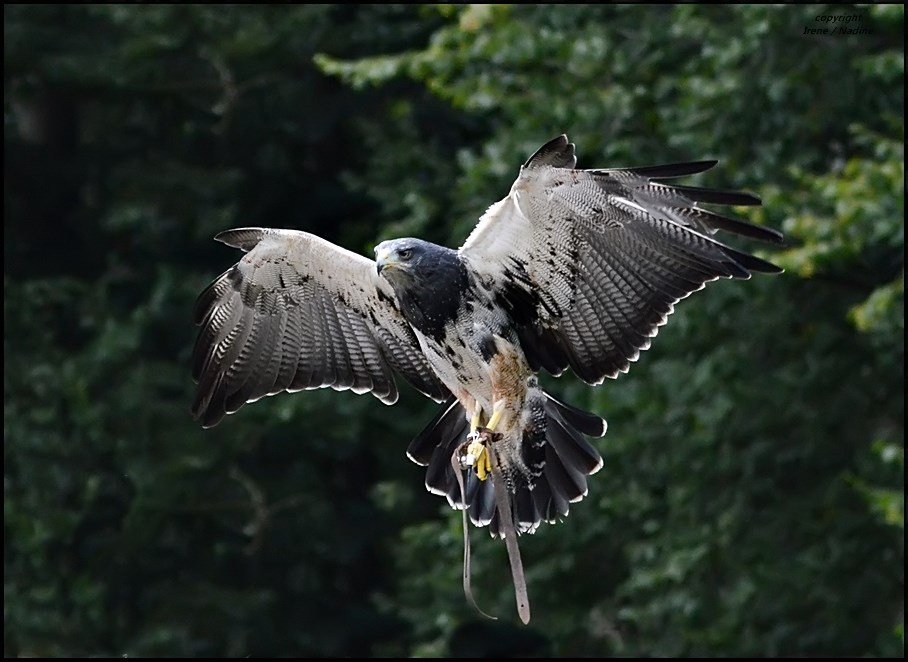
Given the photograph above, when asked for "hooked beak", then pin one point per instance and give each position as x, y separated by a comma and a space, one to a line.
384, 260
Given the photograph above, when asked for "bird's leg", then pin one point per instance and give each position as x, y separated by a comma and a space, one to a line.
479, 437
497, 410
475, 421
475, 454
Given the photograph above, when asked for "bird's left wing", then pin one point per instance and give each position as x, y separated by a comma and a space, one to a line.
590, 263
298, 312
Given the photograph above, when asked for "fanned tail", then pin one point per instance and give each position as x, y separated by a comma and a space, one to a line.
556, 455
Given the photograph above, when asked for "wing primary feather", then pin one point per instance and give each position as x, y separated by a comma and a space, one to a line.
711, 221
716, 196
666, 171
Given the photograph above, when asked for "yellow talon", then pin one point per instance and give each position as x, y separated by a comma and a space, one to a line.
481, 463
475, 421
493, 422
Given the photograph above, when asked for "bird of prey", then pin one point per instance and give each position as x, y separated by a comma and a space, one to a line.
574, 269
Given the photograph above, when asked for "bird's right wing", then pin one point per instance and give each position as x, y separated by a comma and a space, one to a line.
298, 312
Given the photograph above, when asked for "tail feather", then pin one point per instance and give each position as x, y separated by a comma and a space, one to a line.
551, 502
546, 497
564, 478
444, 427
549, 507
572, 447
587, 423
526, 511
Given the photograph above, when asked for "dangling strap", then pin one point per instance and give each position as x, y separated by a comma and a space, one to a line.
467, 588
507, 529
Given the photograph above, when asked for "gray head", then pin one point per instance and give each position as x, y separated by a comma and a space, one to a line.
428, 280
402, 261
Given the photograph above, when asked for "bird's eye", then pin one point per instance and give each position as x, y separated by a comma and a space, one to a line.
404, 254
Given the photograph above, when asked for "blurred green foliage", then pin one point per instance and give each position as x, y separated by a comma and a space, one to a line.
752, 499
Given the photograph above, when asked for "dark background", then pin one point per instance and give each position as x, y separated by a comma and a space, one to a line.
751, 502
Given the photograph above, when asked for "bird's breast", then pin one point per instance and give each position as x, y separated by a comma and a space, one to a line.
463, 355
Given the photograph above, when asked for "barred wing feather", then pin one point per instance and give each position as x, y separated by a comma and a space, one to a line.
298, 312
591, 262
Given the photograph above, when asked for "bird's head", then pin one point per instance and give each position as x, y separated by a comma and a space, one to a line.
427, 279
402, 260
423, 275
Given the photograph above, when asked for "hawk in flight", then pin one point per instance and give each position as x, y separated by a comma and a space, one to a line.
574, 269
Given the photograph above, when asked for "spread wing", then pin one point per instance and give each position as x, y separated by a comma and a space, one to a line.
298, 312
591, 262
